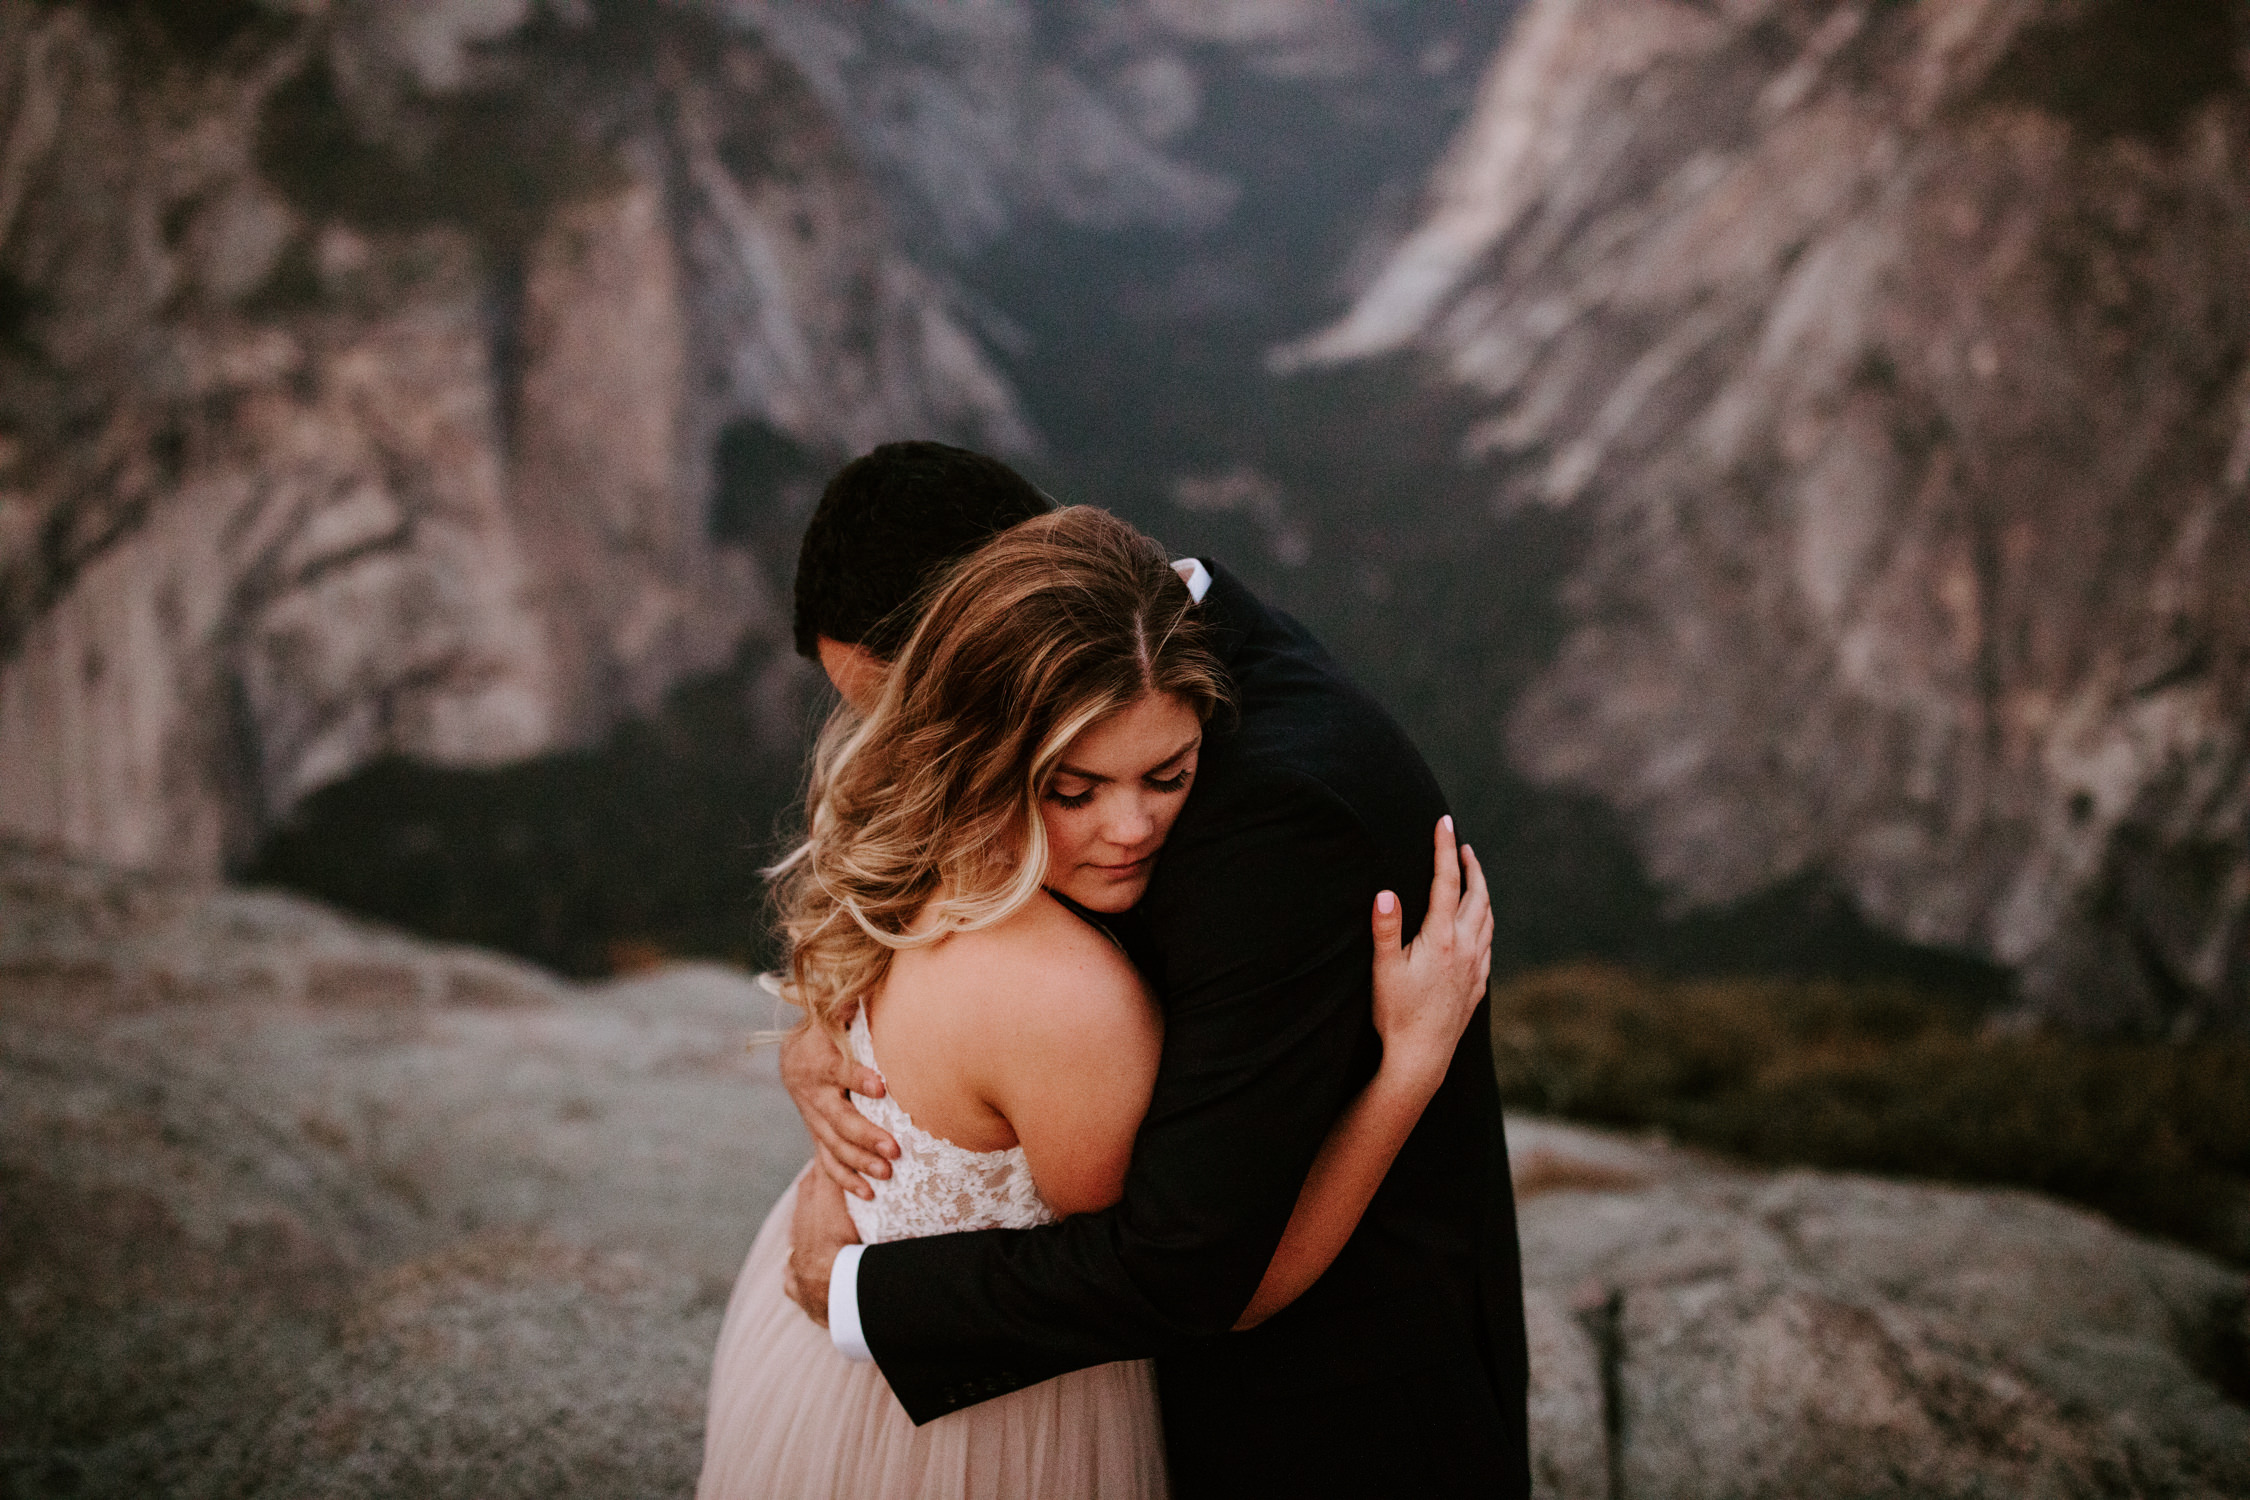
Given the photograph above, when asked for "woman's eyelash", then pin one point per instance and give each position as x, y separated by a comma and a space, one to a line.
1166, 784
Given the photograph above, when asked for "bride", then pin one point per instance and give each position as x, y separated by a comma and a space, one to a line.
1011, 787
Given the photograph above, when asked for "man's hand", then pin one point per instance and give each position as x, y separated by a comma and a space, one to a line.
820, 1080
821, 1227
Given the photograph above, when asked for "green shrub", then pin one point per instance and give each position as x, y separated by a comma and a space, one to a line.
1883, 1078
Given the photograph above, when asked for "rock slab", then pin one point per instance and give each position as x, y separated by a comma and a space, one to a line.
291, 1205
1702, 1330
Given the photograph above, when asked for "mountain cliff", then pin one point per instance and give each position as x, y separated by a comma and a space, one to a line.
1897, 362
445, 383
393, 380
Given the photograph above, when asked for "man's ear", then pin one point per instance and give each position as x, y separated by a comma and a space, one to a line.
856, 671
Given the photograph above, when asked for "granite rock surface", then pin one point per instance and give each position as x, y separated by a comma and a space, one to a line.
296, 1204
299, 1205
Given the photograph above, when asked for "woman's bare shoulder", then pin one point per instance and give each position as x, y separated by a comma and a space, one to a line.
1043, 970
1067, 1045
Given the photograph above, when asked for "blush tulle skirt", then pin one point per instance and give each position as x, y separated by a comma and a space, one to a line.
789, 1417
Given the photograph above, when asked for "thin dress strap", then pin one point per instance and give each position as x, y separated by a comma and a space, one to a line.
1092, 919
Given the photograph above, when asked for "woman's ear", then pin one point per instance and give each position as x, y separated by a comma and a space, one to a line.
855, 671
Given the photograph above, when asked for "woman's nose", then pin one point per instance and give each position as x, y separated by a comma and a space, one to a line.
1131, 824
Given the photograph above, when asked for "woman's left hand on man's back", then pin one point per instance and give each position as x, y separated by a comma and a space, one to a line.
1426, 990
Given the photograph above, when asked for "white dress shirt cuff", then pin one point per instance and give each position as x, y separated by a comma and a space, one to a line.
843, 1304
1198, 577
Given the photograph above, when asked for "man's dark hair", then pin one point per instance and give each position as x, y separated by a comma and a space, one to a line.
888, 527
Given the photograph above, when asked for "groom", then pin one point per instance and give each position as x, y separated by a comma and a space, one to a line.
1403, 1370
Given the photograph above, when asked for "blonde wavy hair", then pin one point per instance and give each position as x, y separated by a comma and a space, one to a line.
922, 818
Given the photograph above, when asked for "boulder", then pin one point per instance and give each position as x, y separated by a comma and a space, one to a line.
1733, 1332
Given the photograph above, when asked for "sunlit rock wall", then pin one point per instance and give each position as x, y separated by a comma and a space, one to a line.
361, 373
1899, 358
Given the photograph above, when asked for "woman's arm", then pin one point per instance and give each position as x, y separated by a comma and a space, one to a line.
1424, 996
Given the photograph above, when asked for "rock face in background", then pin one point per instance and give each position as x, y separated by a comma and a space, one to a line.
298, 1205
979, 125
398, 398
1898, 358
366, 377
447, 381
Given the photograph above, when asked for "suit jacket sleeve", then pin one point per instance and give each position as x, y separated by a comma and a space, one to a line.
1267, 973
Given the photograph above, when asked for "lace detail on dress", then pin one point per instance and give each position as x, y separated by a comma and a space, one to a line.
936, 1187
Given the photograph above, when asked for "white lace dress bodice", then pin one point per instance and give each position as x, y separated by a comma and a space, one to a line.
936, 1187
789, 1418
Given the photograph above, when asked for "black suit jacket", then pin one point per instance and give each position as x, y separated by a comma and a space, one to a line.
1405, 1364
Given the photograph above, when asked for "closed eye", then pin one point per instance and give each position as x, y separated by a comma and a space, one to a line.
1174, 783
1073, 799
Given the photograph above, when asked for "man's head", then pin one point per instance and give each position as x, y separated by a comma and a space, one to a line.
888, 527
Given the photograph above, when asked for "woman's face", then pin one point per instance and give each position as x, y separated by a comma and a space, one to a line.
1113, 799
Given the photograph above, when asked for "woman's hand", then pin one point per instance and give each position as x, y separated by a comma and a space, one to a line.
1424, 996
1426, 991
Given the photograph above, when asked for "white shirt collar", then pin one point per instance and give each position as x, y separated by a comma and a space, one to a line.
1198, 577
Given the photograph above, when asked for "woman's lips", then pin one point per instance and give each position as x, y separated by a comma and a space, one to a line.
1125, 871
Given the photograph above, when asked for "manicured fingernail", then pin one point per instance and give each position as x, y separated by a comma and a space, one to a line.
1386, 903
1446, 822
